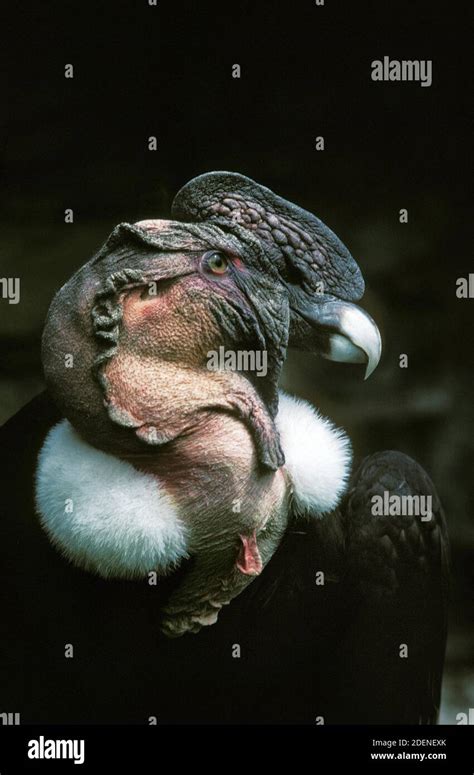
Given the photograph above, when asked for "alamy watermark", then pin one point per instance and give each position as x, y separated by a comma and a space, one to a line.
238, 360
9, 719
45, 748
10, 289
392, 505
418, 70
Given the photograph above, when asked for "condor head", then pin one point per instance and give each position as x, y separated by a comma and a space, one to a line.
293, 263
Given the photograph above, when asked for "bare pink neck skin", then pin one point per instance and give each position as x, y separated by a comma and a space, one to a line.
234, 510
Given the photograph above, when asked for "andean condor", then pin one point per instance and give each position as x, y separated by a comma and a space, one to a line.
189, 544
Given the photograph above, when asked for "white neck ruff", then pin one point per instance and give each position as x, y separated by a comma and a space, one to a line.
115, 521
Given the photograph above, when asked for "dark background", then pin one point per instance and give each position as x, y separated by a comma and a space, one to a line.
141, 70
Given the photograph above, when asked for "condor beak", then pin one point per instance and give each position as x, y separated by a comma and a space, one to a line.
343, 332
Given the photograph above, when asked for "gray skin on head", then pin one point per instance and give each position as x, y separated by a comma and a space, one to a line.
139, 320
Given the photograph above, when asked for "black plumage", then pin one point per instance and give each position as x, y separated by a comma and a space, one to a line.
309, 653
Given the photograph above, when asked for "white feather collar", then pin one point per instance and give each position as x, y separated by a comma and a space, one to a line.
101, 512
318, 455
115, 521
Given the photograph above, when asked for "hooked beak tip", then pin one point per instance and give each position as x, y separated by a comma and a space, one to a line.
373, 355
352, 335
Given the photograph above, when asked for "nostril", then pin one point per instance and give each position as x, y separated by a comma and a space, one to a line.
291, 273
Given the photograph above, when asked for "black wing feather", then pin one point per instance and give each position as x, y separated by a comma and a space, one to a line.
397, 582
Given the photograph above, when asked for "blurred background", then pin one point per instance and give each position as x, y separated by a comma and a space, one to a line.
165, 71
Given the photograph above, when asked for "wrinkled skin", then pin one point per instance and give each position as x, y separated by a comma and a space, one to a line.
211, 440
139, 320
164, 342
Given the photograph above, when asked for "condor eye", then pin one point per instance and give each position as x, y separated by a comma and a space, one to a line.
215, 262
